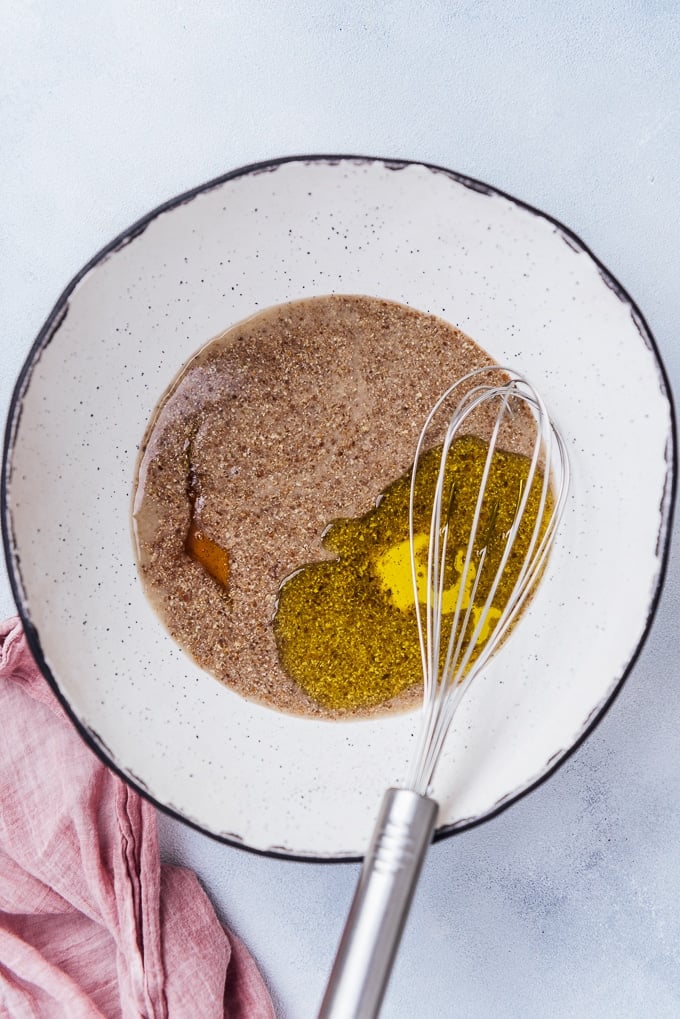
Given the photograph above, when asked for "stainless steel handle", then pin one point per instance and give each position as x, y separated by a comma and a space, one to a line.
381, 902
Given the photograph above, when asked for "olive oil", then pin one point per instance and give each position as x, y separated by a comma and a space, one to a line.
346, 628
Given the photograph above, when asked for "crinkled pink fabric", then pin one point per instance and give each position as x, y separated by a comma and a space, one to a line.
91, 924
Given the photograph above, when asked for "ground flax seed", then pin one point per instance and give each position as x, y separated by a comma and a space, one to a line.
290, 420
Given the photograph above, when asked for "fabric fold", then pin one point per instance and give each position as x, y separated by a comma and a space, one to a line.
91, 924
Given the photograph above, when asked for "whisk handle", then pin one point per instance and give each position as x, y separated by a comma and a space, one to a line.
381, 903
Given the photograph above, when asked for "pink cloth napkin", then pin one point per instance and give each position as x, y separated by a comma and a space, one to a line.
91, 925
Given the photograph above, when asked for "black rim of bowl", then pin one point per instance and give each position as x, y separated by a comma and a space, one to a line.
50, 328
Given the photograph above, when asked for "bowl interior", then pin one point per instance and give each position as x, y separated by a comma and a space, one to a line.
528, 292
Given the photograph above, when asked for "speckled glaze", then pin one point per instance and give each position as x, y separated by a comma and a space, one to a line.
524, 288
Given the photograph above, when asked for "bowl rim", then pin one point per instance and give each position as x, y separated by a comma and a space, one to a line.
55, 319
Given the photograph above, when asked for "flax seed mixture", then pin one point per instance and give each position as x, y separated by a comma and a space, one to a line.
290, 420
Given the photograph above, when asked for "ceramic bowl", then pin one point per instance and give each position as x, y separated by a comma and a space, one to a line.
529, 292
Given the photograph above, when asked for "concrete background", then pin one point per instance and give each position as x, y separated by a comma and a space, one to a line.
569, 903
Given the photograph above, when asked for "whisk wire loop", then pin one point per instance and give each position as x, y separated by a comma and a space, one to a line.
467, 651
454, 656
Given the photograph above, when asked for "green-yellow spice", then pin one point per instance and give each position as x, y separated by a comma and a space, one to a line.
346, 628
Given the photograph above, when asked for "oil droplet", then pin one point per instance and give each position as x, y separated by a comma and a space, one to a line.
346, 628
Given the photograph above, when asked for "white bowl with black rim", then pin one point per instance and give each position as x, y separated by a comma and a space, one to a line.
522, 286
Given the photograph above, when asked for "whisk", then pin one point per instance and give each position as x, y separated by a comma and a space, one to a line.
451, 656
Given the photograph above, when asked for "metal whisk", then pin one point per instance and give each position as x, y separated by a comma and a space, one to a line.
451, 656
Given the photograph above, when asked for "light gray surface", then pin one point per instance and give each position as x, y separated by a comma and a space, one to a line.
568, 904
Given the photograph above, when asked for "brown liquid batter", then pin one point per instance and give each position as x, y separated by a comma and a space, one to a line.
292, 419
